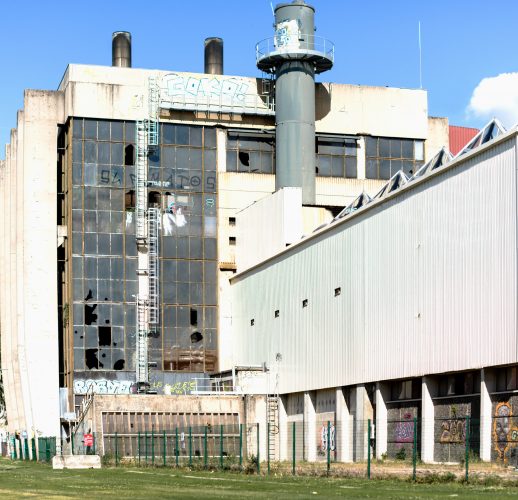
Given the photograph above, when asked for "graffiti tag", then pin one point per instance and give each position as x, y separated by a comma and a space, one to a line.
324, 435
404, 432
103, 386
453, 431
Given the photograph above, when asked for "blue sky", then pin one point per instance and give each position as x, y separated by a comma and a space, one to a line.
376, 41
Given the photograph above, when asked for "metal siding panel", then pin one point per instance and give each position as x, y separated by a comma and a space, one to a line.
428, 285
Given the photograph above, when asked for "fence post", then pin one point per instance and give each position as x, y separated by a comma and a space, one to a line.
95, 441
26, 447
467, 448
72, 439
221, 447
258, 452
414, 451
205, 452
176, 450
33, 445
328, 446
369, 448
152, 446
145, 445
293, 448
138, 445
268, 446
47, 449
240, 446
164, 442
116, 451
190, 446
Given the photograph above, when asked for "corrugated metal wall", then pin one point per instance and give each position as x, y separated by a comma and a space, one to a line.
428, 285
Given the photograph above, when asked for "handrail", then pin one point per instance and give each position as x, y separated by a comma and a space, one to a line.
276, 45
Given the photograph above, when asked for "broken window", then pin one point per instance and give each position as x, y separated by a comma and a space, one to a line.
105, 335
338, 291
91, 360
305, 303
129, 155
129, 200
277, 313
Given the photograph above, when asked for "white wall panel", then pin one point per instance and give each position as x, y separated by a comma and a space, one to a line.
427, 277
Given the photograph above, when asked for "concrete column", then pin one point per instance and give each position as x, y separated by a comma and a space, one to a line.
429, 388
282, 437
310, 427
344, 428
382, 395
360, 159
363, 412
487, 385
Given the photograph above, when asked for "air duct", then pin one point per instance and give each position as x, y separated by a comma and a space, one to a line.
121, 49
214, 56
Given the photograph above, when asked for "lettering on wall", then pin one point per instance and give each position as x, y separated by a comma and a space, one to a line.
209, 92
103, 386
453, 431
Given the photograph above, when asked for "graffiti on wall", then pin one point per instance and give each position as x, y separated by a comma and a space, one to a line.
505, 433
327, 438
103, 386
453, 431
178, 88
404, 430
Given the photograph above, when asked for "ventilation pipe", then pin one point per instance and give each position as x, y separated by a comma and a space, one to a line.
295, 55
214, 56
121, 49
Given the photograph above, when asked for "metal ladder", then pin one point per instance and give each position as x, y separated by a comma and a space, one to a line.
153, 110
142, 334
272, 415
147, 229
141, 179
153, 267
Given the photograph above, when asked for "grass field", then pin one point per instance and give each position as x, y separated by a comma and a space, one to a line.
29, 479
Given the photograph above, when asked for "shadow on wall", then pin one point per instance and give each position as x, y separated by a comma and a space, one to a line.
322, 101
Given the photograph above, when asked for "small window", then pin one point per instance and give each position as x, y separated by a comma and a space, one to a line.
277, 313
231, 221
252, 322
338, 291
194, 317
232, 240
305, 303
129, 155
244, 158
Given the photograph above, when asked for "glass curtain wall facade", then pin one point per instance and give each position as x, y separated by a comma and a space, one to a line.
182, 183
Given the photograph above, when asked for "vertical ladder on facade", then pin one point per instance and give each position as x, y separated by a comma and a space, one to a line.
272, 416
147, 235
153, 267
153, 110
141, 165
142, 334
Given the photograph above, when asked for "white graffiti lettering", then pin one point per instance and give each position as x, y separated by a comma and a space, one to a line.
103, 386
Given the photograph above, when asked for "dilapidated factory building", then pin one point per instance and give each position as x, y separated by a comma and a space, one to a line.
310, 246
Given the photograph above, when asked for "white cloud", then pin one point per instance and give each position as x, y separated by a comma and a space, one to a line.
496, 96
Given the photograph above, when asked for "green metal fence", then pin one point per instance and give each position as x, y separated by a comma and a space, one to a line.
46, 448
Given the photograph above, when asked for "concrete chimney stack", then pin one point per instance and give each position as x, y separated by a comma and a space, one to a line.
214, 56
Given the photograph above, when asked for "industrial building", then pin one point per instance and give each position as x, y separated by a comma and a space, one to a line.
168, 235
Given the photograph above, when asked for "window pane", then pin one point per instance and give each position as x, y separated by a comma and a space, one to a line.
324, 165
371, 169
384, 169
371, 145
419, 150
384, 148
395, 148
337, 166
350, 168
407, 148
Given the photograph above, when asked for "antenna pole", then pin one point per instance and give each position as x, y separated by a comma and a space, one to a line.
420, 58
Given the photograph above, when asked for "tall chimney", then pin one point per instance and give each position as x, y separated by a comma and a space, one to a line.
214, 56
121, 49
295, 55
